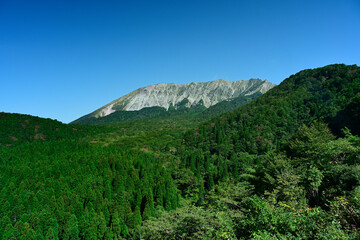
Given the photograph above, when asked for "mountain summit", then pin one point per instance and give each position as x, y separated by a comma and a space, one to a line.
174, 96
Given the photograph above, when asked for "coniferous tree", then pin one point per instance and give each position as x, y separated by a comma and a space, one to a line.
73, 228
9, 232
136, 217
51, 235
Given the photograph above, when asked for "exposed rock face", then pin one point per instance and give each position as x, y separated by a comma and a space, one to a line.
168, 95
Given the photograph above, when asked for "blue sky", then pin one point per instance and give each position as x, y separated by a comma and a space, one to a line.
64, 59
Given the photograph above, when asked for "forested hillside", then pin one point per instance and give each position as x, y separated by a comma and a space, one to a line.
292, 156
17, 129
143, 114
284, 166
330, 94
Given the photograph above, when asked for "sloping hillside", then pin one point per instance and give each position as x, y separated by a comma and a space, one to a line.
328, 94
16, 129
285, 166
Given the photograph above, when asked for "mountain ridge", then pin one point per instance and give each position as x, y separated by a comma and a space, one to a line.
171, 96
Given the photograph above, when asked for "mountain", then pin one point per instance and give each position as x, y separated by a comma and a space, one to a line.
156, 100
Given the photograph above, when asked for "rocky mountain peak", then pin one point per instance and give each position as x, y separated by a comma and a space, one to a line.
168, 95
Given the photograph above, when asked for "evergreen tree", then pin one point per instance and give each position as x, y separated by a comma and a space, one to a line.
9, 232
136, 218
73, 228
50, 235
28, 233
201, 194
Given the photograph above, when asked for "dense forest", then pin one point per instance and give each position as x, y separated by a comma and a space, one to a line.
284, 166
17, 129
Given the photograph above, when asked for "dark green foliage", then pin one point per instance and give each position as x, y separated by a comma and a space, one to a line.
228, 106
16, 129
256, 128
67, 190
281, 145
349, 116
304, 97
308, 191
145, 113
120, 116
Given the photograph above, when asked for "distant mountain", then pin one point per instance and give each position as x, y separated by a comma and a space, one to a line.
170, 98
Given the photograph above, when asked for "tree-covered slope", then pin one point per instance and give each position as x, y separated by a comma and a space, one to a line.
62, 181
227, 106
327, 94
274, 168
17, 129
70, 190
230, 145
143, 114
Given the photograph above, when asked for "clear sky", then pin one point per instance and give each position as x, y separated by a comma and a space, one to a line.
64, 59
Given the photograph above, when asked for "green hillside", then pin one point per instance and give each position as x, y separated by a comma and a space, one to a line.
68, 184
328, 94
143, 114
282, 162
16, 129
227, 106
